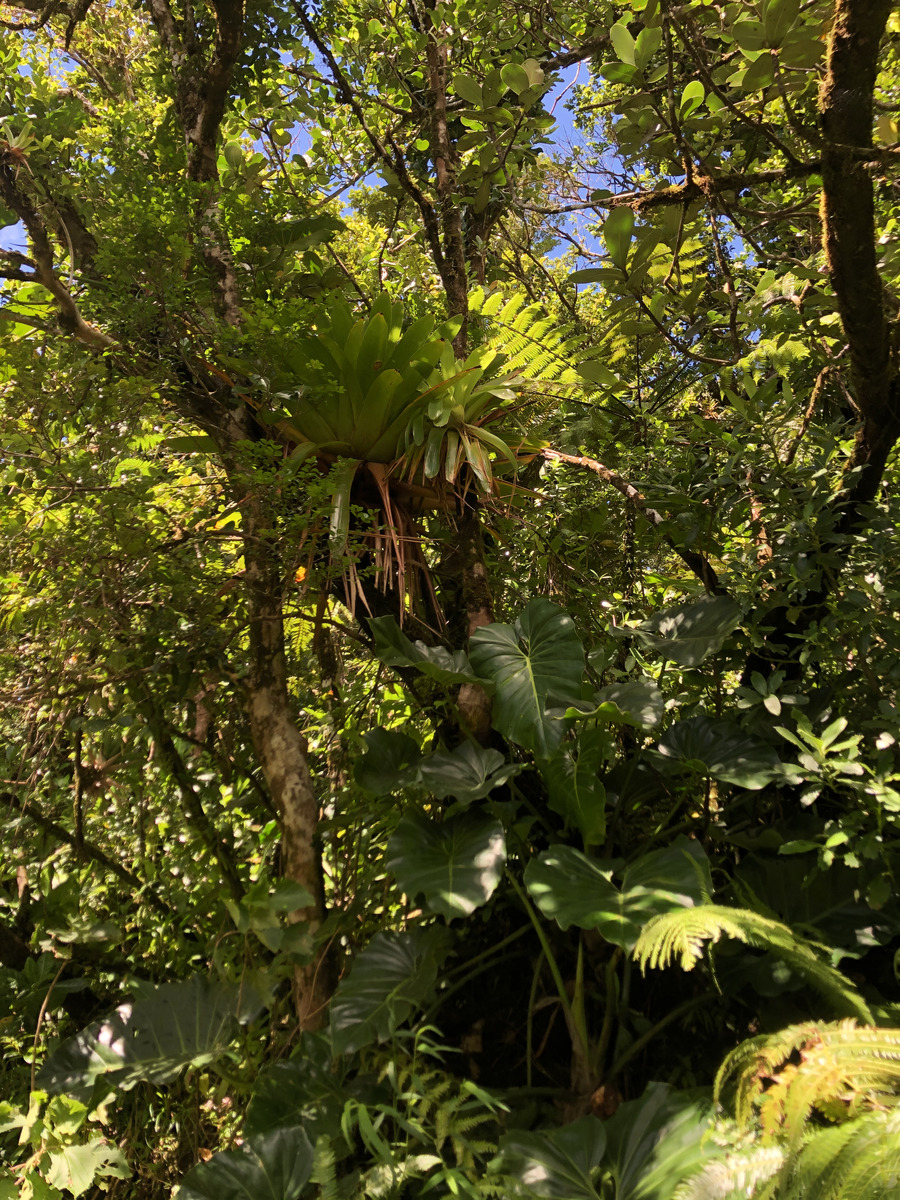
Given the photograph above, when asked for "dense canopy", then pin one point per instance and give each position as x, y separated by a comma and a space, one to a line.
450, 603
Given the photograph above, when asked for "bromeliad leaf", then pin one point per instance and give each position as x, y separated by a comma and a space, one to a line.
394, 973
689, 633
556, 1164
720, 749
524, 661
456, 865
576, 890
395, 649
269, 1166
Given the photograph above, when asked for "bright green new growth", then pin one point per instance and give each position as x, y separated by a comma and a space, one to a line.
682, 934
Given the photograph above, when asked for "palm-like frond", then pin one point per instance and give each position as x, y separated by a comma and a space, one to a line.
535, 345
835, 1069
682, 935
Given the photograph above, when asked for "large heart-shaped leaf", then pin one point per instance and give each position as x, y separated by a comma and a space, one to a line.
468, 772
556, 1163
638, 702
658, 1141
165, 1029
574, 788
269, 1166
456, 865
576, 890
539, 653
306, 1090
395, 649
391, 762
394, 973
720, 749
689, 633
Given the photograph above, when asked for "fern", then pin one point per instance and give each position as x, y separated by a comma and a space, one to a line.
836, 1069
682, 935
736, 1175
859, 1160
535, 345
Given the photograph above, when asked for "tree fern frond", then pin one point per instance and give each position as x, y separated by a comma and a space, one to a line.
835, 1069
682, 934
859, 1160
735, 1176
536, 345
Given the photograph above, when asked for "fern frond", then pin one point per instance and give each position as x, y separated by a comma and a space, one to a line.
835, 1069
735, 1176
536, 346
859, 1160
681, 935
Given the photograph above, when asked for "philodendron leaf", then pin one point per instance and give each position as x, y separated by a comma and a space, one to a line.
524, 661
689, 633
658, 1141
391, 762
395, 649
556, 1163
394, 973
639, 703
576, 890
467, 773
269, 1166
574, 788
455, 865
165, 1029
720, 749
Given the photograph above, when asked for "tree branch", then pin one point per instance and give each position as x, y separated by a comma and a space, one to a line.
696, 562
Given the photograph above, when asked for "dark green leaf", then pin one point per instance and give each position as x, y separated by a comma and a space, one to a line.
722, 750
467, 773
657, 1142
639, 702
455, 865
391, 762
574, 788
394, 973
618, 229
557, 1163
573, 889
395, 649
164, 1030
269, 1166
524, 661
689, 633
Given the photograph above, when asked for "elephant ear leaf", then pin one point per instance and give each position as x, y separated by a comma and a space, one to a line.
269, 1166
576, 890
456, 865
394, 973
539, 654
556, 1163
689, 633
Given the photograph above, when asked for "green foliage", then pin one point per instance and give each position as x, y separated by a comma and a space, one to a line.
448, 541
